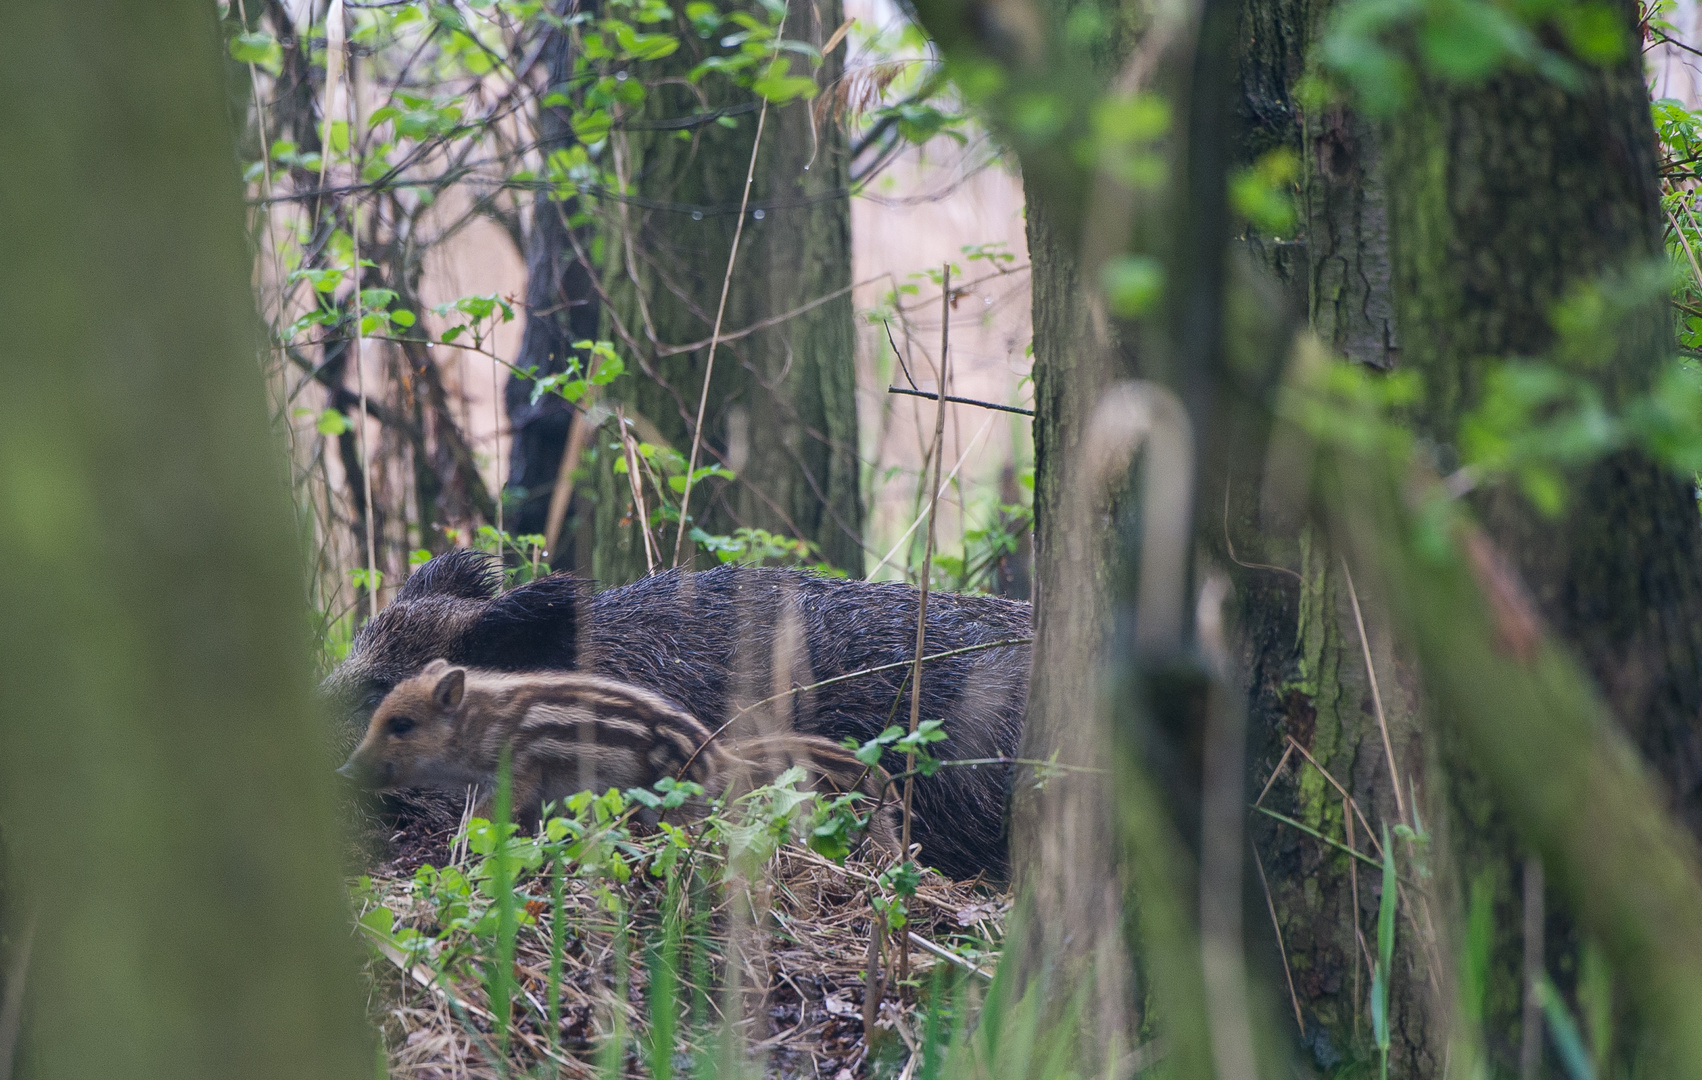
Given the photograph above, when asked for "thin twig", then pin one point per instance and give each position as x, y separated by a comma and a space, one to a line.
938, 453
1229, 545
1288, 973
579, 433
651, 555
946, 954
764, 324
1685, 240
1376, 698
1347, 800
960, 401
1276, 772
1358, 933
1316, 835
873, 991
336, 49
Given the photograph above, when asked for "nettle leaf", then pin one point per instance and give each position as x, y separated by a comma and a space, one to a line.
1593, 32
377, 299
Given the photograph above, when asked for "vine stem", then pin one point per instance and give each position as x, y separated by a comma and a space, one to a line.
360, 353
720, 312
938, 454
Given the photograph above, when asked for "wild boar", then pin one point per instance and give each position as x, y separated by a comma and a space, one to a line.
445, 729
760, 650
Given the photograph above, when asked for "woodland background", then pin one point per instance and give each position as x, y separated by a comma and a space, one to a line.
1387, 651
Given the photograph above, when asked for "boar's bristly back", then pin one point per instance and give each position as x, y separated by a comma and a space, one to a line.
463, 574
534, 627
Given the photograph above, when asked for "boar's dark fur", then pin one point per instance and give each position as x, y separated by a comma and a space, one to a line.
720, 640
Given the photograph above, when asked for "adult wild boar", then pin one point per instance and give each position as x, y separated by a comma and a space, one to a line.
721, 643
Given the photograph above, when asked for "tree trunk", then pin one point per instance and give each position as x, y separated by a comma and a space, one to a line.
164, 781
1306, 662
1503, 200
782, 410
561, 308
1500, 199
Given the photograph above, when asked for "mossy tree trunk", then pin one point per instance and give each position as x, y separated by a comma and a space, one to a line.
782, 410
1434, 242
165, 782
1306, 662
1504, 200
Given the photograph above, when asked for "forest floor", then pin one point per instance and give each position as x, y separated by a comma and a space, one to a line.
794, 1006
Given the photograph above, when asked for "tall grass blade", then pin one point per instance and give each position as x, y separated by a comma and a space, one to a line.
1385, 956
1563, 1033
611, 1056
499, 979
558, 945
662, 964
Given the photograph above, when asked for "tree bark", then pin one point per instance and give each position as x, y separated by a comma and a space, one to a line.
163, 775
1493, 203
1502, 201
1308, 678
561, 308
782, 410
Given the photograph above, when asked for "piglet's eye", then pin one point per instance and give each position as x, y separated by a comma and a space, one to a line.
401, 725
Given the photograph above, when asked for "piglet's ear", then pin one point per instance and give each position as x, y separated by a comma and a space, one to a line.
450, 689
532, 628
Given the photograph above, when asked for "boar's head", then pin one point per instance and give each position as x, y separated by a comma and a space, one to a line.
450, 609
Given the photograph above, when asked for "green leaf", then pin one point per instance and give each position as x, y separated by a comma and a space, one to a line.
1132, 284
377, 299
1264, 192
380, 920
592, 126
331, 422
779, 88
1386, 905
608, 371
1593, 32
260, 49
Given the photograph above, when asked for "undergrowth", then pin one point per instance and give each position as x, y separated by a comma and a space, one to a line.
745, 943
